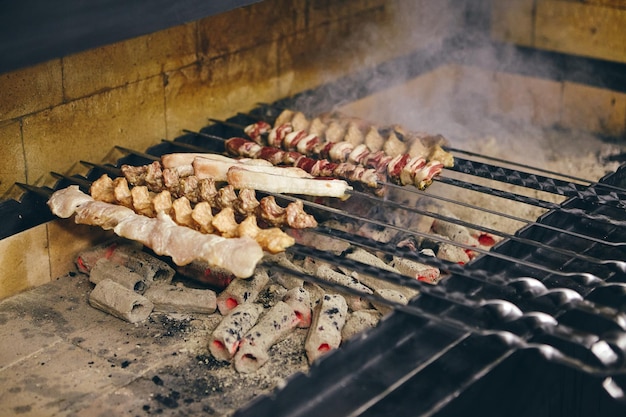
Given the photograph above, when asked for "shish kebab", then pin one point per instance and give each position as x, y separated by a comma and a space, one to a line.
336, 127
352, 163
321, 168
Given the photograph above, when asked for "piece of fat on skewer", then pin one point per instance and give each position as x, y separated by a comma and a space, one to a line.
284, 117
335, 132
317, 127
354, 135
299, 121
373, 139
184, 245
393, 146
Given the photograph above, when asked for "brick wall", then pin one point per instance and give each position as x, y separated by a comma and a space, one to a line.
588, 28
139, 91
592, 28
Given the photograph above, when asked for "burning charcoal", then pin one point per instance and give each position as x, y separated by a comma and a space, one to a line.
224, 340
120, 301
242, 291
390, 295
298, 298
452, 253
316, 293
271, 328
325, 272
129, 255
374, 283
174, 299
284, 279
321, 242
359, 321
324, 334
418, 270
454, 232
106, 269
206, 274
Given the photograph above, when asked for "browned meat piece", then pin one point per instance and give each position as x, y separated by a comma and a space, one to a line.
246, 202
317, 127
299, 121
271, 212
135, 175
394, 146
207, 191
202, 215
226, 196
189, 188
171, 180
353, 134
284, 117
248, 227
225, 223
374, 140
162, 202
274, 240
122, 192
103, 189
181, 212
154, 177
296, 216
142, 203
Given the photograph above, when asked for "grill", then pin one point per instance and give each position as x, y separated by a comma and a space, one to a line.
534, 326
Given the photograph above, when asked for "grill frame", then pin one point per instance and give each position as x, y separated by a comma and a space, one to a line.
437, 343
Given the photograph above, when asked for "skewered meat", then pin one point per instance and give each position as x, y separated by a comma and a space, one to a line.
258, 129
338, 127
121, 192
224, 222
181, 212
245, 203
239, 255
142, 203
242, 177
393, 159
201, 217
299, 121
284, 117
318, 168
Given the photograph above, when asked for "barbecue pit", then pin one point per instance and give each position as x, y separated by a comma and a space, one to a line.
545, 303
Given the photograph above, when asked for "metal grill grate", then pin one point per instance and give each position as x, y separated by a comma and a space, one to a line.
544, 308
